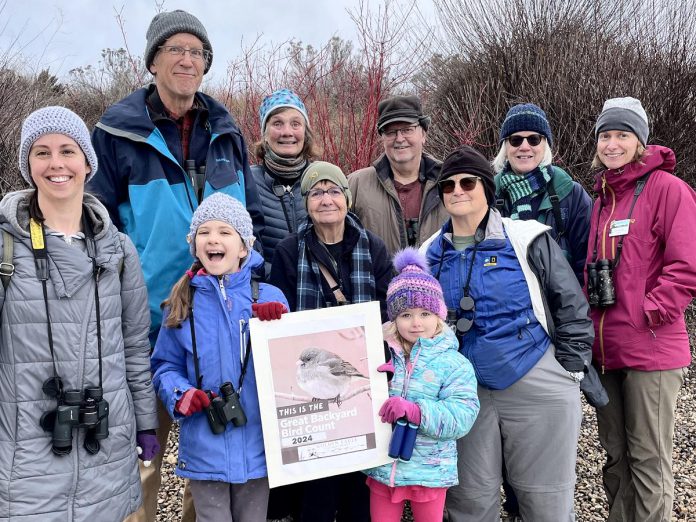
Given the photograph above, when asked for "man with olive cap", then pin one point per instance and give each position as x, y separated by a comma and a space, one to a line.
396, 197
161, 150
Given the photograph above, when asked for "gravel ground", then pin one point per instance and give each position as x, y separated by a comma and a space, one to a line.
590, 503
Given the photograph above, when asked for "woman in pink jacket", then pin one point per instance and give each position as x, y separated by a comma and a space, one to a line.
641, 276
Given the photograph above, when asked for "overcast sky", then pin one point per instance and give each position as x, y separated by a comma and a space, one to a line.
63, 35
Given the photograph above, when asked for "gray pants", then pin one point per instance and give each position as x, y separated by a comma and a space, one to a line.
636, 430
225, 502
535, 423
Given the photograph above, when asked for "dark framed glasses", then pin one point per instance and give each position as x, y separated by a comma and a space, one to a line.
533, 139
466, 184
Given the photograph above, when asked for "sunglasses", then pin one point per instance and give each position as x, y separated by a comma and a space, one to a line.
532, 139
466, 184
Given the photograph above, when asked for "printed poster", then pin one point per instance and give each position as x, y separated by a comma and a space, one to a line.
320, 391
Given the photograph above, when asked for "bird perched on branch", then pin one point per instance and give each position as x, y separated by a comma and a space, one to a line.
325, 375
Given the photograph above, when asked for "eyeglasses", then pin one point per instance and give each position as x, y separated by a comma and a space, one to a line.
195, 54
406, 132
333, 192
533, 139
466, 184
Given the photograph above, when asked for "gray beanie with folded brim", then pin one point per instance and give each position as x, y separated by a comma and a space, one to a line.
624, 114
166, 24
221, 207
55, 120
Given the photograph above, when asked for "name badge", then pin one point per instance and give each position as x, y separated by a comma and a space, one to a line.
619, 227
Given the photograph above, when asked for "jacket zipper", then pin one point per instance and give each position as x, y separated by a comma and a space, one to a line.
604, 256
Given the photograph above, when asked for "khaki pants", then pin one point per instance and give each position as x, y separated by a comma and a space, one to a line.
636, 430
151, 478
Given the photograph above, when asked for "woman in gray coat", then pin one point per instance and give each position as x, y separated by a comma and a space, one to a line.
75, 386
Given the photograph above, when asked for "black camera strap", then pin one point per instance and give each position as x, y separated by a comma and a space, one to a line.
96, 271
247, 352
37, 235
640, 185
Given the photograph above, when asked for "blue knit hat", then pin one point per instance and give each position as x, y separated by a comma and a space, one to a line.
55, 120
278, 99
525, 117
221, 207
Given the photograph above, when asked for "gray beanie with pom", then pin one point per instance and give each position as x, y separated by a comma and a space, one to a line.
221, 207
55, 120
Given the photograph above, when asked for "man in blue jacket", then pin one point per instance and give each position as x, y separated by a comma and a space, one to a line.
161, 150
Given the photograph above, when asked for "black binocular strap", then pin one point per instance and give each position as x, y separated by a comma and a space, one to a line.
640, 185
556, 208
196, 364
96, 270
38, 245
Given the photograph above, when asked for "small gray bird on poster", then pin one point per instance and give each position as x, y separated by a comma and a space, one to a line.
325, 375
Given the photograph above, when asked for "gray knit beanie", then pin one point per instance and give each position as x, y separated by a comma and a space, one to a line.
221, 207
624, 114
54, 120
168, 23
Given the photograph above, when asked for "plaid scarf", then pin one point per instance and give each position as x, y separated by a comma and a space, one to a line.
309, 288
523, 189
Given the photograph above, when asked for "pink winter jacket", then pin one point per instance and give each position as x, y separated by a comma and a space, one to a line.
656, 277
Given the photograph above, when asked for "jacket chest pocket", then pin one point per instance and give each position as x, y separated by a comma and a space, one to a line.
223, 173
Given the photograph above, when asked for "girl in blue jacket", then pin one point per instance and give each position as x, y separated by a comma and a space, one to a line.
433, 389
204, 369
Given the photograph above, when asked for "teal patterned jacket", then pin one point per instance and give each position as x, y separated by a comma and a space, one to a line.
443, 384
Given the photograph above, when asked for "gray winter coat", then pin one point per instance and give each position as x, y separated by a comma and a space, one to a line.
35, 484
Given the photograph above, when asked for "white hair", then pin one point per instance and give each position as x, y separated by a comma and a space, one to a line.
501, 160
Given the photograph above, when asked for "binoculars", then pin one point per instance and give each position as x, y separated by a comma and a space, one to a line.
225, 408
74, 412
600, 283
403, 440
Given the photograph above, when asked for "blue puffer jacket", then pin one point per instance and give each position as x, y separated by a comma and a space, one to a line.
506, 339
237, 455
283, 210
575, 206
443, 385
148, 194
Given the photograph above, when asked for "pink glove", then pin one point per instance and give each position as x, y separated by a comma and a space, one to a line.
396, 407
268, 311
192, 401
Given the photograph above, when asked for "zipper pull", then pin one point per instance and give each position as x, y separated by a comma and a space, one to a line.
653, 333
221, 283
604, 183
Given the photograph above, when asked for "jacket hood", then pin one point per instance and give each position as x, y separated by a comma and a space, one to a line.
620, 180
14, 210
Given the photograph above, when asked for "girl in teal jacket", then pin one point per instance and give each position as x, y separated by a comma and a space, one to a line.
433, 391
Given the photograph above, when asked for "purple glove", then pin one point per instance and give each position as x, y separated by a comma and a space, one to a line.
147, 446
396, 407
